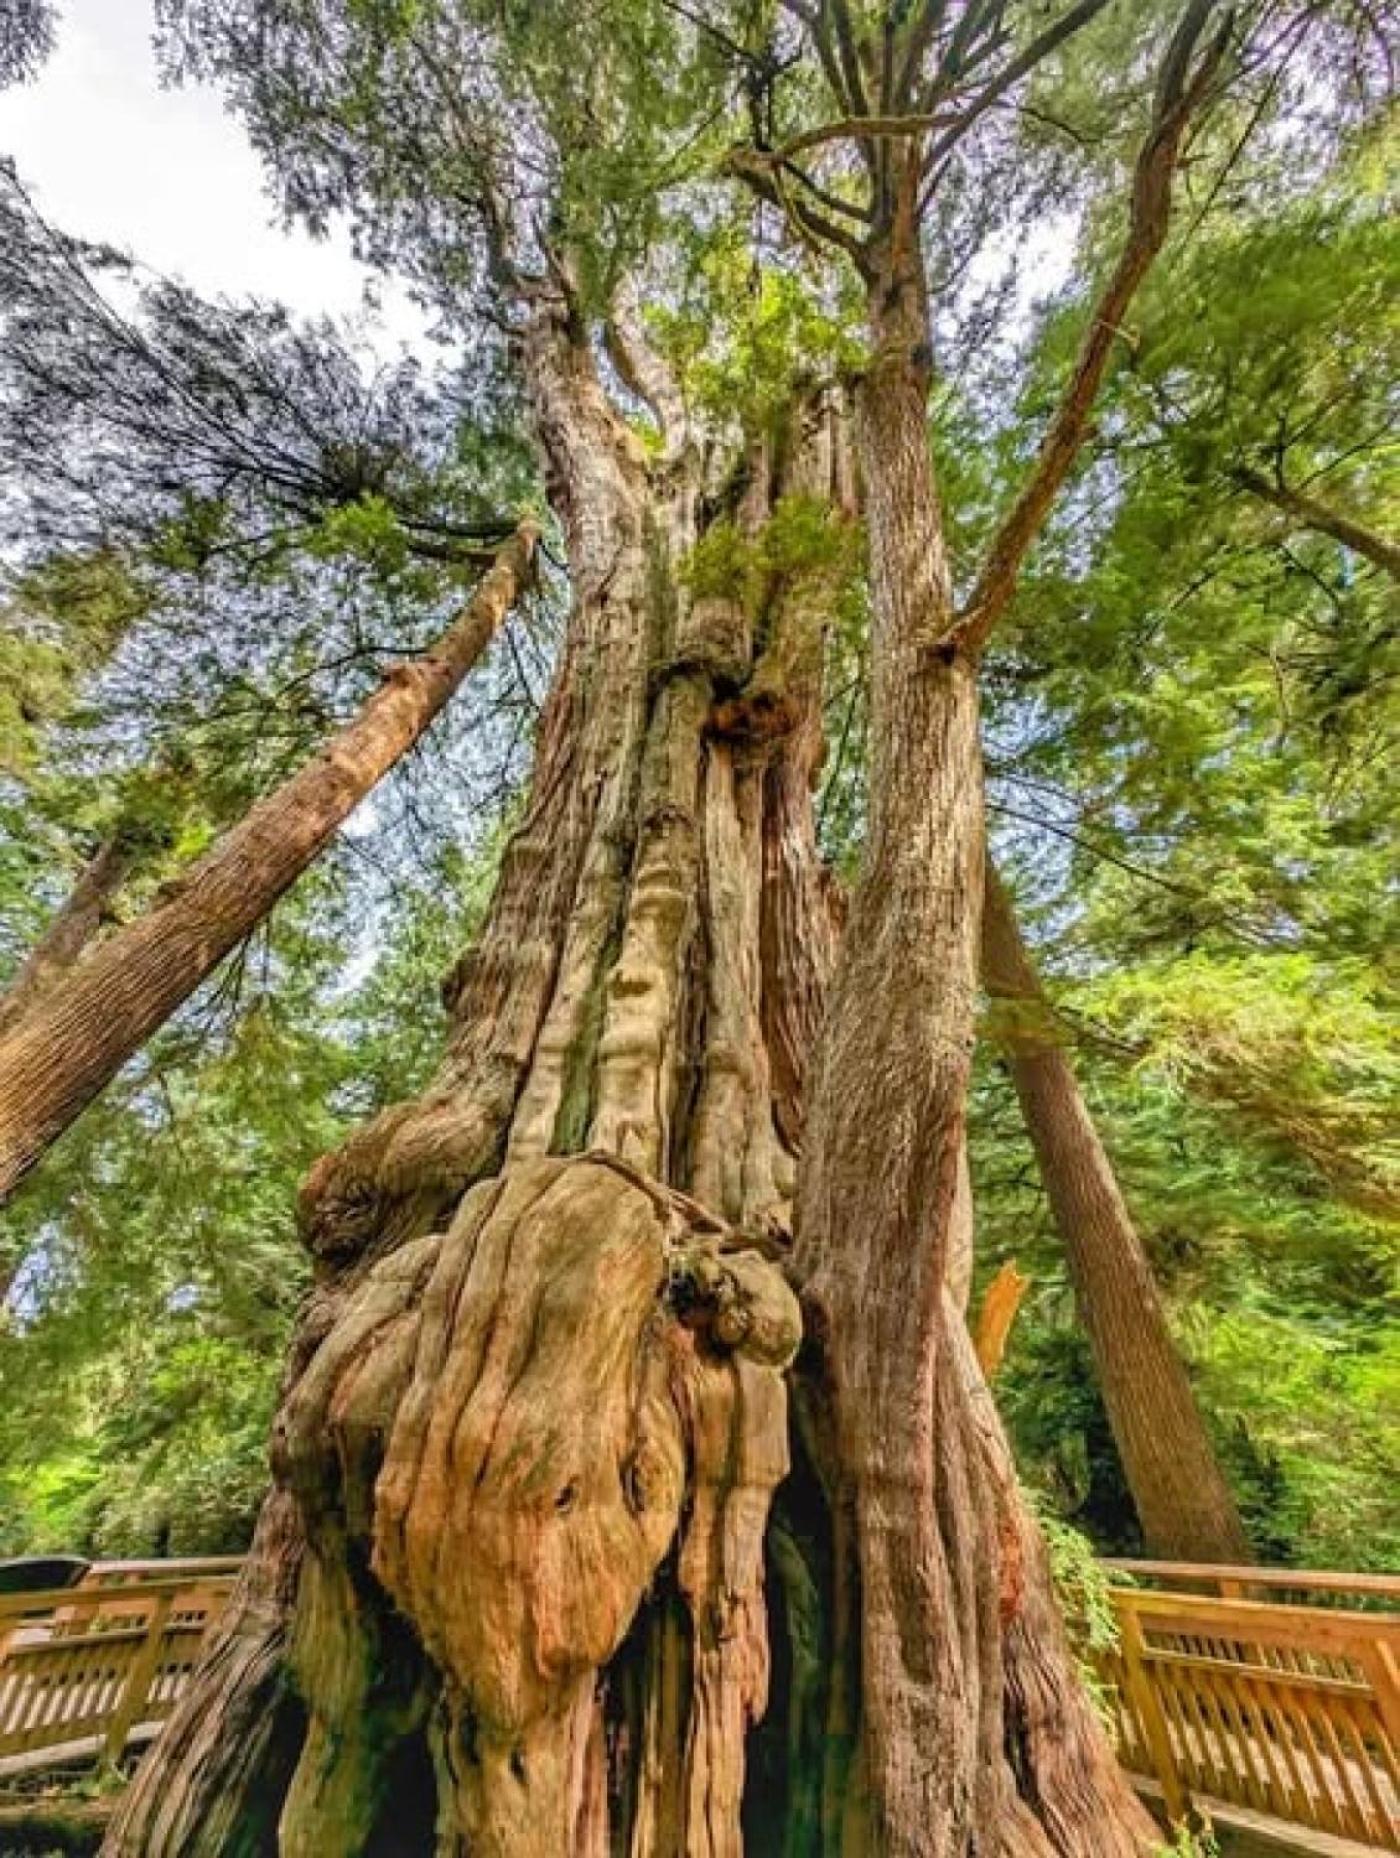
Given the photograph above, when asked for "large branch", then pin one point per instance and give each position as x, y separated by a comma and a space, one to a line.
1012, 72
1312, 514
1180, 92
57, 1058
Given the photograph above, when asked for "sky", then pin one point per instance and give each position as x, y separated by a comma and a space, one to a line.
110, 154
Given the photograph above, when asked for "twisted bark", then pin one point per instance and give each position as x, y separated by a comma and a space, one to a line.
536, 1415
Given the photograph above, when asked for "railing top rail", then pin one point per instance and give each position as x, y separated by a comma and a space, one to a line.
171, 1566
1297, 1580
96, 1598
1305, 1628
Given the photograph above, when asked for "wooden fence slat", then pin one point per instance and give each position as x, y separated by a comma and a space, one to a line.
139, 1680
88, 1664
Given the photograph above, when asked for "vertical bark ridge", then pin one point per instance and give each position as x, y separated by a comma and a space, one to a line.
940, 1568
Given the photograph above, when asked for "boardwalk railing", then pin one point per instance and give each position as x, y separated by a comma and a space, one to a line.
1223, 1693
1229, 1695
86, 1669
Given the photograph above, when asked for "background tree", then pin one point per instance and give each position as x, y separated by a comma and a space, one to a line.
1180, 1493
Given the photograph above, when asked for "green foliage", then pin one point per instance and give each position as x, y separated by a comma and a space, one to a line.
1085, 1599
802, 537
1187, 1842
743, 334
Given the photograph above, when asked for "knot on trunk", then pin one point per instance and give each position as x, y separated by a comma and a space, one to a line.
397, 1177
502, 1438
739, 1301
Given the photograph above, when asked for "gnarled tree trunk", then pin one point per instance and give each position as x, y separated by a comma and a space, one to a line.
516, 1590
508, 1589
1181, 1495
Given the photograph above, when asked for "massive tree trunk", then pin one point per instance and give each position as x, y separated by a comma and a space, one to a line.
1182, 1498
58, 1055
956, 1723
508, 1595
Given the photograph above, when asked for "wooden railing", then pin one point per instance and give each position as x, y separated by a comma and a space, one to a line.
1221, 1692
84, 1670
1233, 1696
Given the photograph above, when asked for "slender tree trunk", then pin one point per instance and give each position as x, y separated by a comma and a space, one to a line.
1311, 513
72, 928
1182, 1498
55, 1060
956, 1723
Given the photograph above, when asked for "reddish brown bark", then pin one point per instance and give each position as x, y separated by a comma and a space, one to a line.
942, 1593
1181, 1494
54, 1061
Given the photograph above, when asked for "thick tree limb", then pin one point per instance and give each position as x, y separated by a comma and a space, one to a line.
57, 1058
1310, 513
1180, 92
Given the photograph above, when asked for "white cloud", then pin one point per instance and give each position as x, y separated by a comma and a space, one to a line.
109, 154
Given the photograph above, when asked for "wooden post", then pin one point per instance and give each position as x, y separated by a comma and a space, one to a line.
139, 1681
1144, 1694
1382, 1669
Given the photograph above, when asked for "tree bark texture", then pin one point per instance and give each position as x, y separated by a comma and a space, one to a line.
532, 1594
1181, 1494
536, 1411
56, 1058
956, 1724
